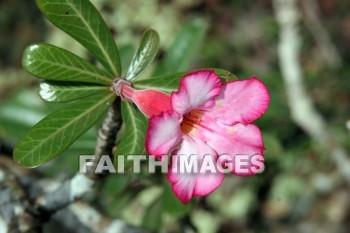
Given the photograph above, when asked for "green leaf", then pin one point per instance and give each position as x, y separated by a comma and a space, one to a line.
135, 132
52, 63
81, 20
170, 82
126, 52
226, 76
172, 205
59, 130
166, 83
184, 49
152, 219
61, 92
144, 55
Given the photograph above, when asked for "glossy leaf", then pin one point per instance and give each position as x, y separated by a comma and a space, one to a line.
144, 55
126, 52
135, 125
59, 130
184, 49
81, 20
52, 63
170, 82
61, 92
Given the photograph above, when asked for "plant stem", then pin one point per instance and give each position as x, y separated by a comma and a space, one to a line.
106, 136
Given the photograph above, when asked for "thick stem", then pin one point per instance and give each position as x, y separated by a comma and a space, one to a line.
106, 136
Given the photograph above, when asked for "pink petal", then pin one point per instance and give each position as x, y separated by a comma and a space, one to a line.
197, 90
163, 133
151, 102
234, 141
241, 101
186, 185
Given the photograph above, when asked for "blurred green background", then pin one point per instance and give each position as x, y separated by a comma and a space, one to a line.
301, 189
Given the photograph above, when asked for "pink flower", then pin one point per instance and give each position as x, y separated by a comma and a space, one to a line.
206, 117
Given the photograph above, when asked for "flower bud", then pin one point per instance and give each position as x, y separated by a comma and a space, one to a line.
149, 102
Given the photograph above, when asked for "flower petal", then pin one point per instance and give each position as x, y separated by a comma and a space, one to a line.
197, 90
163, 133
241, 101
198, 181
237, 140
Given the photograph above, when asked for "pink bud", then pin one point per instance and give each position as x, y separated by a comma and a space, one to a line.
149, 102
